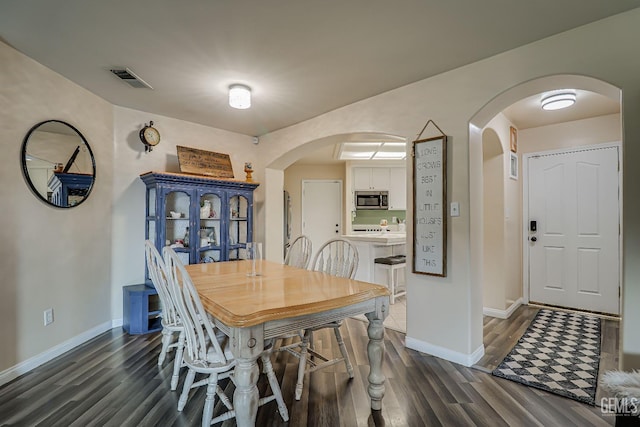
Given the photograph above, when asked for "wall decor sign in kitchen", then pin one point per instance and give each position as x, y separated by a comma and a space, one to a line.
429, 206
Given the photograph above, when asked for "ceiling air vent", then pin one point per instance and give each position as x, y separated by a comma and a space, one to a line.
128, 76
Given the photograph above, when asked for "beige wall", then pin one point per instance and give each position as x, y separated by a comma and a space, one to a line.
494, 277
592, 131
77, 260
50, 257
505, 288
293, 177
130, 160
603, 50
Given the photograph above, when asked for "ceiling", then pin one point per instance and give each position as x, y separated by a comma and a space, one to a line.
527, 113
301, 59
524, 114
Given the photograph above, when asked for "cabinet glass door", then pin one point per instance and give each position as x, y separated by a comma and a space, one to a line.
238, 227
177, 231
209, 244
151, 214
151, 226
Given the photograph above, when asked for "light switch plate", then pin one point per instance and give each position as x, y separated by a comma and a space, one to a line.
48, 316
455, 209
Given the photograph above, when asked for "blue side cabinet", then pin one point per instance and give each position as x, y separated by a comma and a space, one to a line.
141, 309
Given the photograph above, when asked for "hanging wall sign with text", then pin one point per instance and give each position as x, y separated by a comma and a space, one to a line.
429, 206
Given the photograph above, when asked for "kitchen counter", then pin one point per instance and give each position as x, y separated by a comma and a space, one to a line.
376, 245
387, 238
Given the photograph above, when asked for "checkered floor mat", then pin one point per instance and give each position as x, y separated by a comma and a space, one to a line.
559, 353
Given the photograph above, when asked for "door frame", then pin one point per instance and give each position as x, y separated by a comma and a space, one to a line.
525, 210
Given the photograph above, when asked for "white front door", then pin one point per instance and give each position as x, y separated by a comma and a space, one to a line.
321, 211
574, 250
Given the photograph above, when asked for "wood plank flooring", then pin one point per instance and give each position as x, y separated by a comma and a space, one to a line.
500, 335
114, 380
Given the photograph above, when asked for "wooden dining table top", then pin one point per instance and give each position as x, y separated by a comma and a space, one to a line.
280, 292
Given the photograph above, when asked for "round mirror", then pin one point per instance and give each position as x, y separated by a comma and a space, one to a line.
58, 164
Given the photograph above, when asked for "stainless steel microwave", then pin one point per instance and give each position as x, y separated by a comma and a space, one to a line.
372, 200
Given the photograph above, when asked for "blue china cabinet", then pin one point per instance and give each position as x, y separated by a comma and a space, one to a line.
68, 189
204, 219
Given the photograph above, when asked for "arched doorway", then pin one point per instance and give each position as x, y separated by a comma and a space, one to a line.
478, 136
274, 184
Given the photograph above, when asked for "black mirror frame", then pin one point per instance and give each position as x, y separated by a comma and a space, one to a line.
25, 172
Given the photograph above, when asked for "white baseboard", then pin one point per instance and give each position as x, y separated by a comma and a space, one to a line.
444, 353
502, 314
35, 361
116, 323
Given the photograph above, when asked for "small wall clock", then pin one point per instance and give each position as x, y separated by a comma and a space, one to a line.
149, 136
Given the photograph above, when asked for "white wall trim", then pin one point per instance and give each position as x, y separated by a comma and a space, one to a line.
444, 353
502, 314
116, 323
524, 168
35, 361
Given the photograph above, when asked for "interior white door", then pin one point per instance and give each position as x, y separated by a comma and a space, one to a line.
321, 211
574, 251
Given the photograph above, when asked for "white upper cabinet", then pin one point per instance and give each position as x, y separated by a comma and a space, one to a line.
391, 179
371, 179
397, 189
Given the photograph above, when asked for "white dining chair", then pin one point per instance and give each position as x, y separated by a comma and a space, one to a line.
337, 257
299, 253
207, 349
171, 322
299, 256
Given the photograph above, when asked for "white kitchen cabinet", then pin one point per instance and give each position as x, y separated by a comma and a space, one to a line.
380, 178
398, 189
371, 179
361, 178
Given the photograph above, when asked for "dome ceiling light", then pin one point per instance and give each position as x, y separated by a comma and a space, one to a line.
240, 96
558, 100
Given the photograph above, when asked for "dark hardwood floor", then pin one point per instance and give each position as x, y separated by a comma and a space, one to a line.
500, 335
114, 380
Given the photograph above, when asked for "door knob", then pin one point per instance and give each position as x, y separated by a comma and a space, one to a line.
534, 239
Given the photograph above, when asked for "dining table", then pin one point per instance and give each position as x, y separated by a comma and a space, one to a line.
254, 309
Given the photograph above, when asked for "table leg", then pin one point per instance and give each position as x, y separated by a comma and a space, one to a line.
375, 350
245, 397
246, 344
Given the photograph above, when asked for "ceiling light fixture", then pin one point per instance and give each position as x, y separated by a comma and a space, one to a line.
371, 151
240, 96
558, 100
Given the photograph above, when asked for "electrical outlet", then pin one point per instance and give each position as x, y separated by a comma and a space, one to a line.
48, 316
